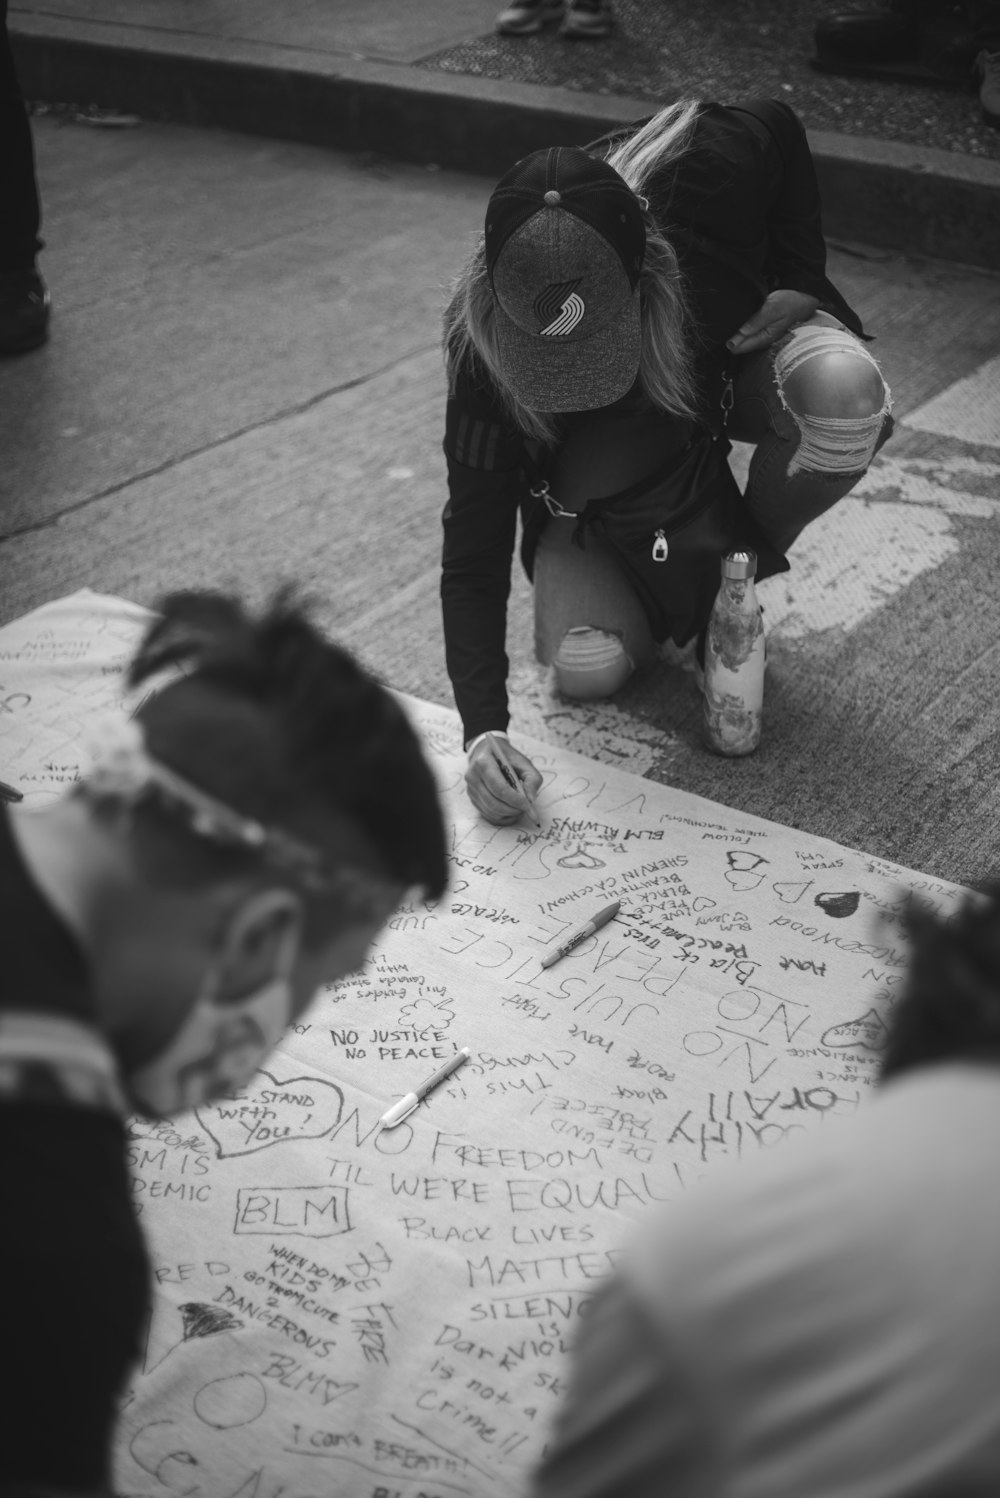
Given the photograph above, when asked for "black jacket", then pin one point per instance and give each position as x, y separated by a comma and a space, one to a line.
741, 208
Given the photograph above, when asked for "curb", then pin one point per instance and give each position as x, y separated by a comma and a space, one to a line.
915, 199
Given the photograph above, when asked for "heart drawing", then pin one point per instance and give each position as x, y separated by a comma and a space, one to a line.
268, 1111
741, 858
790, 890
869, 1031
579, 858
839, 905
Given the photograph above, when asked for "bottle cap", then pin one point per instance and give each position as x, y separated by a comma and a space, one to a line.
740, 564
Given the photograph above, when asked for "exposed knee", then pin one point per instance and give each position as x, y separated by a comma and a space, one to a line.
839, 402
838, 383
590, 663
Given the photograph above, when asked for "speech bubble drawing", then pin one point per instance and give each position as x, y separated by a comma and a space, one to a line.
270, 1111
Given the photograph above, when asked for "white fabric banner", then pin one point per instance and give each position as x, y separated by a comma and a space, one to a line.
342, 1309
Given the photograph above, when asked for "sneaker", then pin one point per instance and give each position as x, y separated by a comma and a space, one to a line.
587, 19
525, 17
24, 311
988, 67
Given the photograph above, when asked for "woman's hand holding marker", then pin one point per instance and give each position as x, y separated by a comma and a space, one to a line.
502, 782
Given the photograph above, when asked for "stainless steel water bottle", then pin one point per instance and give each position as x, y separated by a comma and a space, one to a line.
734, 660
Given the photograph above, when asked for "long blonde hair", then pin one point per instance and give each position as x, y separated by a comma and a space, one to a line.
665, 364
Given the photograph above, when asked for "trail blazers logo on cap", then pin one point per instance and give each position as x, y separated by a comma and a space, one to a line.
559, 309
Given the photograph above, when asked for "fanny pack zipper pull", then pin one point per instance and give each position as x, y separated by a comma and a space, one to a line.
660, 547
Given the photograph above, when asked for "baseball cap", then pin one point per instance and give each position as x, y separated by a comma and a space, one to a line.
565, 241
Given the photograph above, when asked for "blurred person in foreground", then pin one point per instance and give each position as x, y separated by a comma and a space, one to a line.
236, 845
820, 1322
630, 309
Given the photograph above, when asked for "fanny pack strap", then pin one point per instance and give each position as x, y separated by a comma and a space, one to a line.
539, 484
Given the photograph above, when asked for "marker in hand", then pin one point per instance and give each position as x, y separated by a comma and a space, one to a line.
406, 1104
602, 919
512, 778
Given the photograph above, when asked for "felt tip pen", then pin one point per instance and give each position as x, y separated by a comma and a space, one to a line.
513, 779
10, 792
601, 919
406, 1104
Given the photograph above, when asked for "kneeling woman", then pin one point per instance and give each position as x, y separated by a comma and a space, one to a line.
631, 307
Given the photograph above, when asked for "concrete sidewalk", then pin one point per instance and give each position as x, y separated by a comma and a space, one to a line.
430, 82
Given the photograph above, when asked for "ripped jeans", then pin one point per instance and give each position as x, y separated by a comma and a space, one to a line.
816, 409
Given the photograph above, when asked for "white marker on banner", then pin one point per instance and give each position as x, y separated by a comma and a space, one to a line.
406, 1104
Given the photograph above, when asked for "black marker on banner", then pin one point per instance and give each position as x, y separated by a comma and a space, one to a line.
602, 919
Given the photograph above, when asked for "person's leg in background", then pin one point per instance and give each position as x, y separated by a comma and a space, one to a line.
528, 17
984, 16
589, 625
817, 409
24, 299
581, 19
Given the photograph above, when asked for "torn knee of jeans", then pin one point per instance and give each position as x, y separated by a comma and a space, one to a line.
835, 446
591, 663
832, 444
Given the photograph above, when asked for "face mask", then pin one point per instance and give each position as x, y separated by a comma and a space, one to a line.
217, 1049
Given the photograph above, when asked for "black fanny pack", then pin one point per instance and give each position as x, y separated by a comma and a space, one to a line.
668, 531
